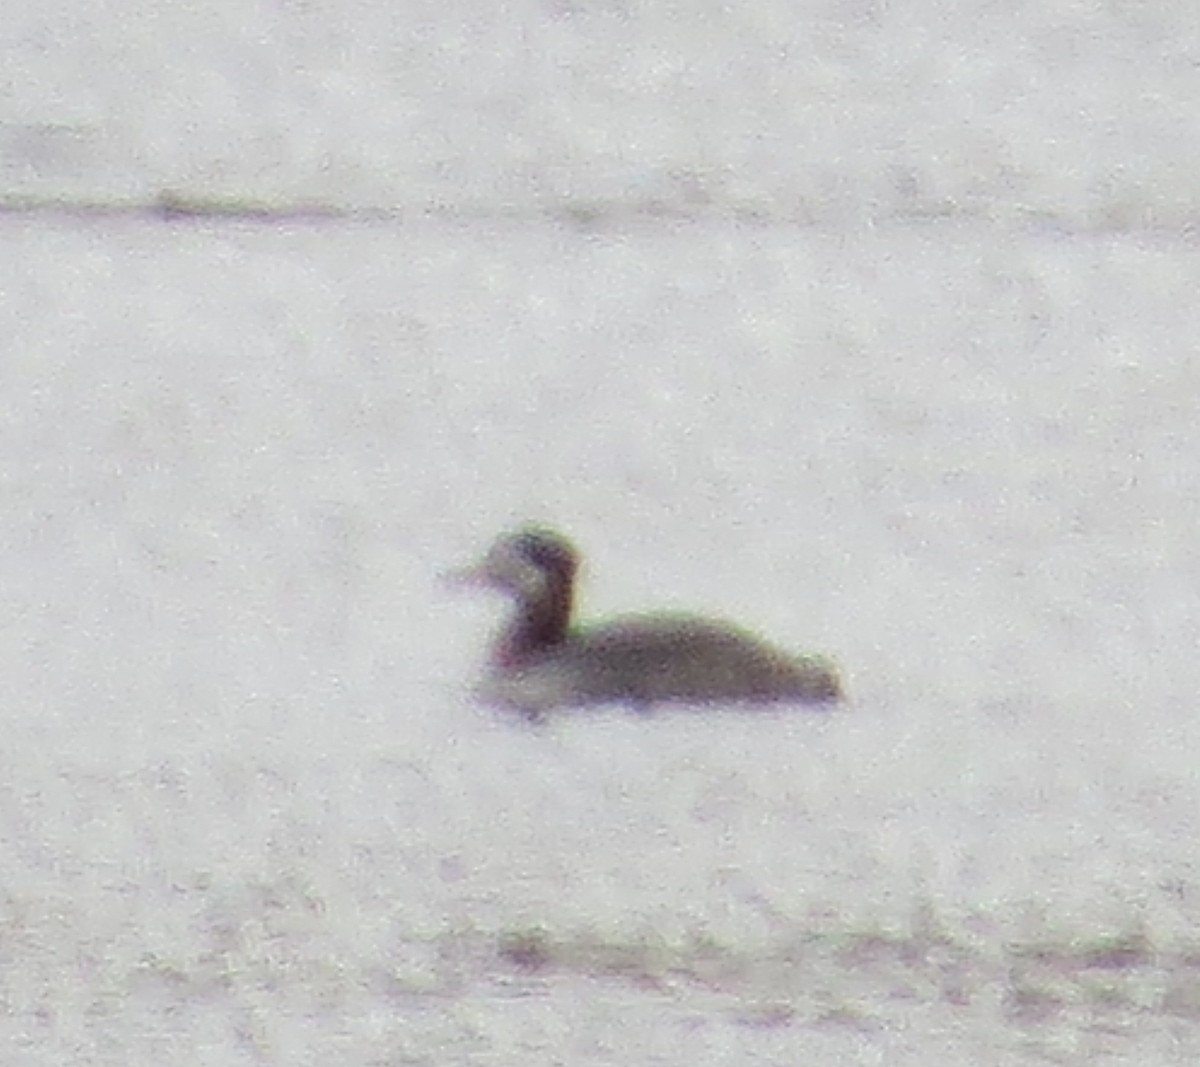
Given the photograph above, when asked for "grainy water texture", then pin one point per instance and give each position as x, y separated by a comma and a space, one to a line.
870, 325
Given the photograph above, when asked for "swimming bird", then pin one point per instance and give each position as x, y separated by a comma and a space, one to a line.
542, 661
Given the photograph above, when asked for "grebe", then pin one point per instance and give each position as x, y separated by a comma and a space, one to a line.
542, 662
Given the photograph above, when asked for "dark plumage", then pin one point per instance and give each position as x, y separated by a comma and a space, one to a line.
542, 662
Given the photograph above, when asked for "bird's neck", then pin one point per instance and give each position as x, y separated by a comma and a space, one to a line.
537, 628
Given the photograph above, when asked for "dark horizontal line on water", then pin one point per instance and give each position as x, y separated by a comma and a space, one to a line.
172, 207
595, 214
1119, 971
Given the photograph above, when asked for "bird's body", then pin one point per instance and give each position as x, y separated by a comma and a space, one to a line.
542, 662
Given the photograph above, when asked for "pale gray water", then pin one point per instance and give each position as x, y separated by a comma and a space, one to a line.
249, 812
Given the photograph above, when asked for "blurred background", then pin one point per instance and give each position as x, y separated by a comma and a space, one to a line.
869, 325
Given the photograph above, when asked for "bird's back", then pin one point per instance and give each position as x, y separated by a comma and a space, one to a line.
646, 660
